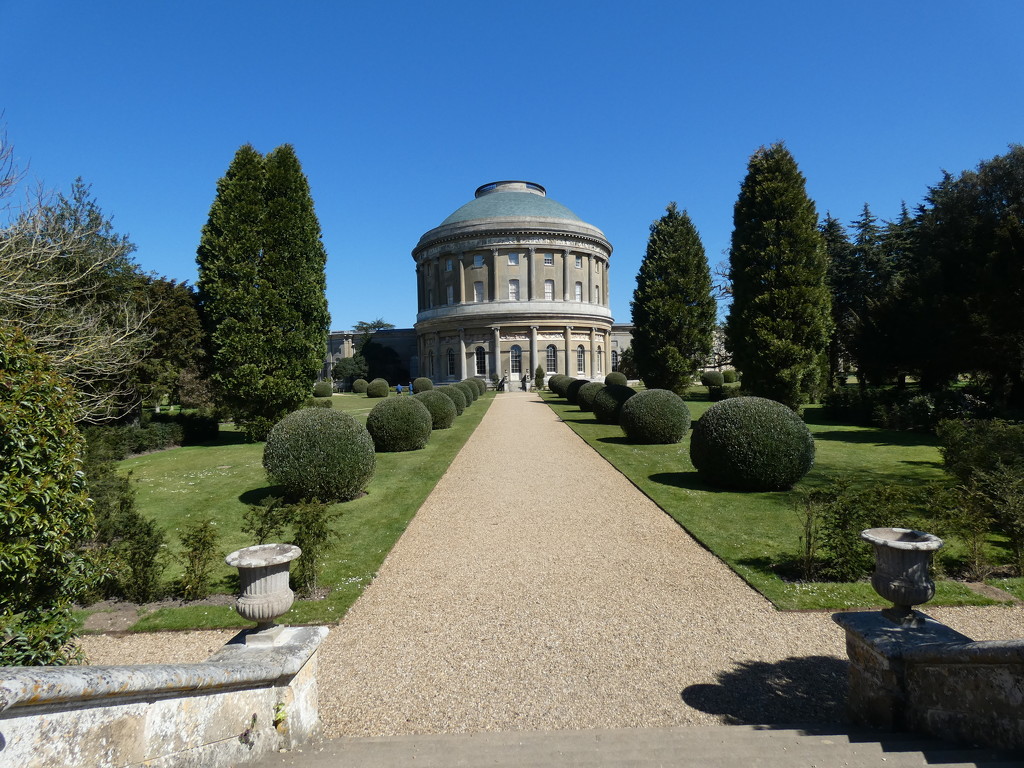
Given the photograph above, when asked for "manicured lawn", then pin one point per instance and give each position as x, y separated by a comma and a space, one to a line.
220, 482
753, 532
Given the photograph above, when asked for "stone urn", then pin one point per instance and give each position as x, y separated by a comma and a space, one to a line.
902, 560
263, 576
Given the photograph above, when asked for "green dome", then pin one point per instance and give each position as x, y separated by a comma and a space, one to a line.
511, 200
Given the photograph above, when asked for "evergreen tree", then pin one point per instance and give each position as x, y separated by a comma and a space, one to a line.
673, 309
780, 321
841, 282
261, 289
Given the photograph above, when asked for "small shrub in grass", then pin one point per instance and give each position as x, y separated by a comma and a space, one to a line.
442, 409
616, 378
729, 376
359, 386
608, 402
318, 402
538, 377
320, 454
456, 395
266, 521
377, 388
399, 424
655, 417
469, 390
199, 557
323, 389
421, 384
751, 444
313, 532
585, 397
573, 390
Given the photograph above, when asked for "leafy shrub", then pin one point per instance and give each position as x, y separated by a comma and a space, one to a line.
729, 376
44, 511
399, 424
442, 409
313, 532
751, 444
712, 379
615, 377
655, 416
196, 427
978, 446
199, 557
377, 388
481, 386
608, 402
320, 454
421, 384
266, 521
585, 397
559, 383
456, 395
1000, 493
469, 390
538, 377
902, 409
359, 386
318, 402
323, 389
573, 390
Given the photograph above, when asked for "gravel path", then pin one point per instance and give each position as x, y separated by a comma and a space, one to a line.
536, 588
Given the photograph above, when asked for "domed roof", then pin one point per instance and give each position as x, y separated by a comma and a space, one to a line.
511, 200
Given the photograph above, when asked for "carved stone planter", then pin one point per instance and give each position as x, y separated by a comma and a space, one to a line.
902, 559
263, 577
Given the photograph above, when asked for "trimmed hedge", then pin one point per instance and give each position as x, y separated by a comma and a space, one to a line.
585, 397
712, 379
320, 454
558, 384
323, 389
377, 388
359, 386
655, 417
480, 384
422, 384
441, 407
399, 424
608, 402
469, 390
751, 444
616, 378
573, 390
730, 376
456, 395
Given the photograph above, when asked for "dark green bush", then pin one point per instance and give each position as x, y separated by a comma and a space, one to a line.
615, 377
422, 384
480, 384
378, 388
399, 424
323, 389
469, 390
559, 383
456, 395
538, 377
199, 557
751, 444
729, 376
359, 386
712, 378
196, 427
318, 402
573, 390
320, 454
585, 397
655, 416
980, 445
442, 409
608, 402
313, 532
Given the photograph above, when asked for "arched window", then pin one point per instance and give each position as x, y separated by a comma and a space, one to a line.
597, 294
478, 291
549, 289
581, 359
515, 360
513, 290
481, 361
552, 358
430, 363
600, 360
615, 359
579, 291
451, 363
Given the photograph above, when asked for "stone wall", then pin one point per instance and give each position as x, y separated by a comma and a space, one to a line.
243, 702
931, 679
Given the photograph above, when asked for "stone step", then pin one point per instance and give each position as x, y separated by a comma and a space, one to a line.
685, 747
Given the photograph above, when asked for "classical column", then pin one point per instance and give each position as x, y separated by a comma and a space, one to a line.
435, 360
590, 285
462, 278
569, 363
494, 275
496, 352
566, 281
462, 354
531, 274
593, 352
534, 362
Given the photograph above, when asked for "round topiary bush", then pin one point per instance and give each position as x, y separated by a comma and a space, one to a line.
481, 386
559, 383
441, 407
608, 402
377, 388
616, 378
655, 416
319, 454
399, 424
422, 384
712, 379
729, 376
359, 386
323, 389
585, 397
751, 444
469, 390
456, 395
573, 390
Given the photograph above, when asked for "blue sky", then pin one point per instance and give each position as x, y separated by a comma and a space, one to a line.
399, 110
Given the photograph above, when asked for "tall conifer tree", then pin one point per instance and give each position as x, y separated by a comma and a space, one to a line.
261, 289
673, 309
780, 319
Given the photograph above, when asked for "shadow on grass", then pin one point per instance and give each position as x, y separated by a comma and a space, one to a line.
877, 437
257, 495
689, 480
811, 689
616, 440
229, 437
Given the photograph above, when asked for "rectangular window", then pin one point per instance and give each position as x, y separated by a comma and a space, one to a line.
478, 260
513, 290
549, 259
579, 291
478, 291
451, 294
513, 259
579, 262
448, 265
549, 289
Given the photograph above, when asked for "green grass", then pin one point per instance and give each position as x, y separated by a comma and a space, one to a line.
221, 480
1015, 586
754, 533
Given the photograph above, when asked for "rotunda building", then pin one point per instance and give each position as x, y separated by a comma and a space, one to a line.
509, 281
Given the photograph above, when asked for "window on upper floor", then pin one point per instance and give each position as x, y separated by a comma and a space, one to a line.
451, 294
513, 290
478, 260
549, 289
579, 291
448, 265
579, 262
549, 259
513, 259
451, 362
478, 291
